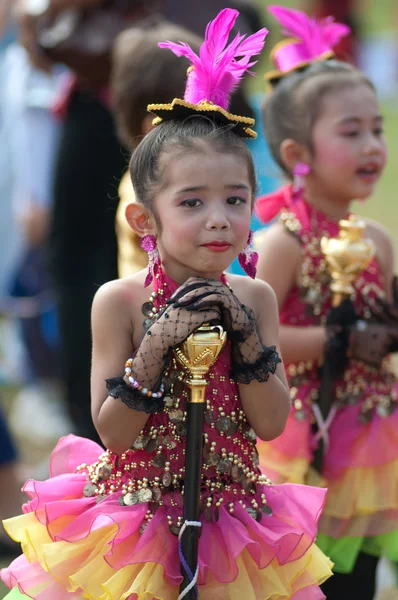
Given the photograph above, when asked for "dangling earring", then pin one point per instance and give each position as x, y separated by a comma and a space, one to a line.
300, 172
248, 259
149, 244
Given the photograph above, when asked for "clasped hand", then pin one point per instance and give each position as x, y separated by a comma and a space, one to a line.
196, 302
368, 341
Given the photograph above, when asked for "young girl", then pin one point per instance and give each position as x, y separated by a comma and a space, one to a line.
324, 126
105, 525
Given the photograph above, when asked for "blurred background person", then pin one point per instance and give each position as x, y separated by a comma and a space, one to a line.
88, 166
30, 135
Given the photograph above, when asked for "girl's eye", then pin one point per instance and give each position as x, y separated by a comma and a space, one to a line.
192, 203
351, 133
235, 200
378, 131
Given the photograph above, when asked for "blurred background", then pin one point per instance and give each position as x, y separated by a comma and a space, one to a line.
63, 153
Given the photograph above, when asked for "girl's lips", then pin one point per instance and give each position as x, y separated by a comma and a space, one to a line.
369, 173
217, 246
368, 176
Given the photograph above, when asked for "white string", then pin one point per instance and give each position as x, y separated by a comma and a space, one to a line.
323, 425
195, 577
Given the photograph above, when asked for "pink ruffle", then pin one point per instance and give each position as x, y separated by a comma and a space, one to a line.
30, 576
355, 445
295, 440
67, 454
285, 536
351, 444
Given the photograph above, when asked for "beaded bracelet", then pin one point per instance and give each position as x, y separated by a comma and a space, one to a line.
132, 382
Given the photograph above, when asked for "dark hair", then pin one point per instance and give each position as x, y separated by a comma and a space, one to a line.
293, 107
188, 134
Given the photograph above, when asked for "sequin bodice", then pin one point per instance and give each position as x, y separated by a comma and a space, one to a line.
309, 303
153, 469
310, 300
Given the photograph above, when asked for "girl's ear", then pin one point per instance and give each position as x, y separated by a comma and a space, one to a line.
292, 153
140, 219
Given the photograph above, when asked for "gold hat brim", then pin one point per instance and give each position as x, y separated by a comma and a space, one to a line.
179, 108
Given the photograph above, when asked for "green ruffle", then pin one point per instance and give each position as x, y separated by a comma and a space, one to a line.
15, 594
344, 551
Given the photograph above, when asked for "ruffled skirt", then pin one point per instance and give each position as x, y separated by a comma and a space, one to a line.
360, 470
75, 547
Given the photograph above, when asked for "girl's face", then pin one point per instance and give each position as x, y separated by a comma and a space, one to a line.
203, 210
349, 150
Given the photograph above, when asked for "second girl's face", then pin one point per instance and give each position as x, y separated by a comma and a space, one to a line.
349, 149
203, 208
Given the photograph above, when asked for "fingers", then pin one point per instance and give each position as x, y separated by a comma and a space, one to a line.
192, 300
194, 297
193, 287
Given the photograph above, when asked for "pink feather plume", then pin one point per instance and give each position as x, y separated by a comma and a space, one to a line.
316, 35
219, 67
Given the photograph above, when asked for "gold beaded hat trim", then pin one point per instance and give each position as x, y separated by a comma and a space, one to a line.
180, 108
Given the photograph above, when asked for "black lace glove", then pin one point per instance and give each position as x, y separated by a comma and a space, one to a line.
351, 337
152, 357
387, 313
340, 321
371, 342
250, 359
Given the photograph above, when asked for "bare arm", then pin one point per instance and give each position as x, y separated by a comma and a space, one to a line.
267, 404
297, 343
384, 252
303, 343
117, 425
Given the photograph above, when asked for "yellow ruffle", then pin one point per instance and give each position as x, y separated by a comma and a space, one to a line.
285, 469
361, 491
81, 565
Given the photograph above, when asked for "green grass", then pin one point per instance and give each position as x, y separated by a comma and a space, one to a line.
383, 207
374, 17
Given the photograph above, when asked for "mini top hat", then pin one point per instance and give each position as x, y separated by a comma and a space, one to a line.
311, 40
214, 74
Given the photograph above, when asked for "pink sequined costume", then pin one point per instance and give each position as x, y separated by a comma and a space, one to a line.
360, 467
104, 526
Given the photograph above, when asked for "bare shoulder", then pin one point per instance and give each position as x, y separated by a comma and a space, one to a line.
118, 293
255, 293
279, 237
277, 241
384, 245
118, 302
378, 233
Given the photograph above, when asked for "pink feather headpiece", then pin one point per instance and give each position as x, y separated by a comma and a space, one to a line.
312, 40
215, 73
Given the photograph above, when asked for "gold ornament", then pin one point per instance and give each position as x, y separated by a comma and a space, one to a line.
347, 256
197, 354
